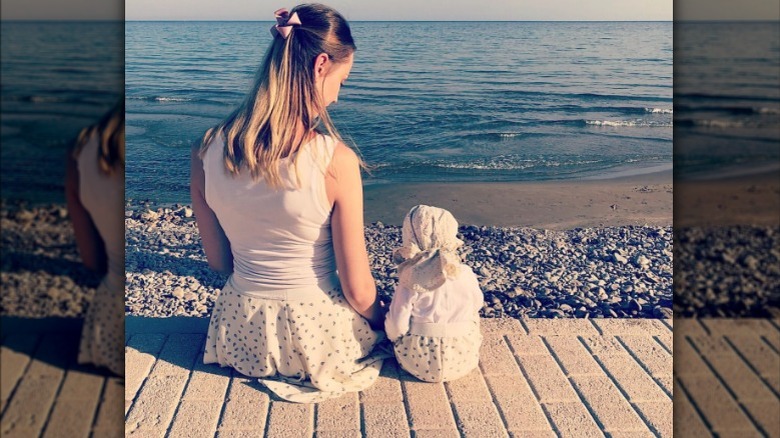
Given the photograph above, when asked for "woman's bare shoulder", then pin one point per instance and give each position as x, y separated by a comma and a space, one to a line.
344, 159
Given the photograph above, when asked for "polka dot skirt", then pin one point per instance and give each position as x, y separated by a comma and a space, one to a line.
438, 359
103, 334
303, 351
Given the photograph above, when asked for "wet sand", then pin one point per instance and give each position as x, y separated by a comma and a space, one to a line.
556, 205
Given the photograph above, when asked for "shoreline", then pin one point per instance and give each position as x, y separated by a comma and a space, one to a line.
639, 200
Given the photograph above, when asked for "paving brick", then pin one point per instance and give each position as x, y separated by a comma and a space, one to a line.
140, 354
110, 419
745, 384
547, 379
667, 341
479, 419
716, 405
196, 418
154, 407
764, 412
385, 419
208, 382
74, 410
243, 415
28, 409
146, 433
741, 326
448, 433
341, 413
572, 419
386, 388
69, 419
603, 345
630, 326
290, 420
551, 327
178, 355
609, 406
339, 434
500, 327
687, 421
659, 416
246, 406
55, 353
517, 404
428, 405
247, 389
15, 353
532, 434
469, 388
758, 353
631, 434
258, 433
711, 345
496, 358
687, 361
650, 353
574, 358
773, 382
688, 327
632, 379
525, 345
665, 382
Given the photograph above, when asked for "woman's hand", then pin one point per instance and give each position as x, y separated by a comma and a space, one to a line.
215, 242
345, 190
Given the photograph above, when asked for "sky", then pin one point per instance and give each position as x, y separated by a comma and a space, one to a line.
433, 10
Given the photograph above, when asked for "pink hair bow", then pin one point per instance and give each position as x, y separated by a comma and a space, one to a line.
284, 22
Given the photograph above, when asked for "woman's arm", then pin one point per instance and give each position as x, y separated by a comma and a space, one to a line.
91, 246
215, 242
345, 189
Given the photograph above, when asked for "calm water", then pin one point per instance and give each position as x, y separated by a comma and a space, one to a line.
425, 101
727, 99
57, 79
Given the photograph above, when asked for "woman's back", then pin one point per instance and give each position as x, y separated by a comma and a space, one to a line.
280, 238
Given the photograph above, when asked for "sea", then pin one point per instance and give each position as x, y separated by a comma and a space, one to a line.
57, 78
726, 99
425, 101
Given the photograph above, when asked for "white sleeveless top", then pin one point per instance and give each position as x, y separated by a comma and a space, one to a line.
103, 196
280, 238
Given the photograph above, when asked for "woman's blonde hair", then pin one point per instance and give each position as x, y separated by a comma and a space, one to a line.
263, 129
111, 137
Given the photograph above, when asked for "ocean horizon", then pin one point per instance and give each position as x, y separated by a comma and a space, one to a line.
512, 101
426, 101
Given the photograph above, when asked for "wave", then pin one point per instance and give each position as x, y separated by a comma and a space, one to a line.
723, 124
733, 110
172, 99
766, 110
629, 123
659, 110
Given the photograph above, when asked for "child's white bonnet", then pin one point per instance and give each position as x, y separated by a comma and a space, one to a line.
428, 255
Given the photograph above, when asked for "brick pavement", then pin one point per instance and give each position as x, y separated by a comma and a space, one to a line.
562, 377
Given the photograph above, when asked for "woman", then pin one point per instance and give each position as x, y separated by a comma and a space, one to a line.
95, 194
279, 206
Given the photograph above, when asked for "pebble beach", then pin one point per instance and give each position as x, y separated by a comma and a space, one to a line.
524, 272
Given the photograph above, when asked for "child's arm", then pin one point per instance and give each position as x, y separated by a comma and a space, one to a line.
477, 299
400, 313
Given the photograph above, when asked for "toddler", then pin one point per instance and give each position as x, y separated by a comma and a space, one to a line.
433, 320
